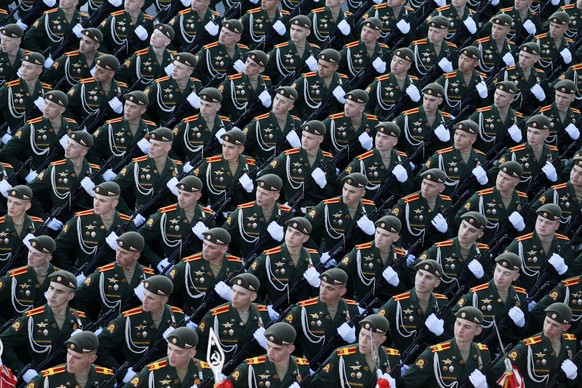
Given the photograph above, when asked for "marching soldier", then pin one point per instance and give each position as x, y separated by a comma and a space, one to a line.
190, 21
574, 11
554, 43
11, 53
257, 24
431, 50
523, 17
496, 49
391, 13
563, 117
165, 229
568, 291
330, 21
119, 27
574, 73
457, 13
359, 55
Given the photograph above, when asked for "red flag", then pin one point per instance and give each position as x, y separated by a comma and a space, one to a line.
7, 378
511, 379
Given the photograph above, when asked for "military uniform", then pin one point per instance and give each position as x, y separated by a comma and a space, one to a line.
240, 95
491, 56
71, 68
492, 129
323, 25
425, 55
341, 131
384, 93
193, 133
88, 96
165, 95
455, 21
456, 89
355, 57
284, 59
569, 292
143, 66
264, 373
8, 70
574, 73
214, 62
389, 20
515, 75
550, 51
11, 239
557, 125
50, 30
187, 24
257, 25
517, 22
58, 376
575, 19
118, 29
312, 92
161, 373
16, 101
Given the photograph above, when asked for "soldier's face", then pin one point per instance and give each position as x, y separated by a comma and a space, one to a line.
295, 238
466, 330
17, 207
466, 64
331, 293
499, 32
520, 5
536, 137
459, 3
228, 37
30, 71
430, 189
554, 329
153, 302
159, 149
463, 140
103, 204
269, 5
576, 176
133, 5
231, 152
384, 239
352, 195
563, 100
59, 295
299, 34
241, 297
546, 228
266, 198
527, 60
68, 4
425, 282
37, 258
353, 109
187, 199
333, 3
502, 99
579, 4
179, 357
158, 39
557, 31
282, 105
79, 362
125, 258
199, 5
212, 251
430, 103
468, 234
252, 68
505, 182
395, 3
52, 110
399, 65
103, 75
326, 69
9, 44
279, 353
369, 35
310, 141
75, 150
181, 71
436, 35
132, 112
503, 277
384, 142
209, 109
365, 340
87, 45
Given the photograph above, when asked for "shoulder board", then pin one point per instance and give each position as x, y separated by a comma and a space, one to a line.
575, 67
162, 79
34, 121
58, 162
254, 10
571, 282
336, 115
510, 67
364, 246
7, 165
576, 110
520, 147
314, 45
383, 77
317, 10
560, 186
256, 360
546, 108
233, 258
157, 365
235, 76
220, 309
400, 153
115, 120
562, 237
35, 311
392, 352
92, 165
148, 17
140, 159
87, 80
520, 290
507, 9
169, 208
148, 122
36, 219
521, 194
327, 154
347, 350
51, 10
13, 83
195, 257
483, 40
215, 158
308, 302
352, 44
445, 150
117, 13
446, 243
541, 36
54, 371
403, 296
177, 310
482, 347
443, 8
440, 347
104, 371
18, 271
291, 151
211, 45
569, 6
413, 77
262, 307
485, 191
351, 302
301, 361
524, 237
380, 6
251, 161
84, 213
124, 217
185, 11
484, 109
273, 250
371, 117
569, 336
240, 45
480, 287
263, 116
518, 114
532, 340
553, 148
411, 111
440, 296
312, 251
131, 312
246, 205
142, 51
72, 53
285, 44
411, 197
122, 84
148, 270
207, 210
400, 251
342, 75
331, 200
452, 74
451, 45
366, 155
107, 267
419, 41
309, 74
383, 45
368, 202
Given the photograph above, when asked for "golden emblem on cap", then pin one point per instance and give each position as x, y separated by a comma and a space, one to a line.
208, 237
463, 314
504, 264
239, 282
428, 176
33, 244
174, 340
271, 338
426, 266
383, 225
367, 325
554, 316
59, 278
72, 346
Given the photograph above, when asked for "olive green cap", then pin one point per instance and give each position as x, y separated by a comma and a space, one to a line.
186, 58
531, 47
131, 241
375, 323
471, 52
468, 126
506, 86
502, 19
389, 224
190, 184
301, 224
81, 137
107, 62
439, 22
356, 179
108, 189
44, 244
301, 21
64, 278
137, 97
511, 168
166, 30
93, 34
281, 333
287, 92
476, 219
34, 58
12, 31
565, 86
431, 266
434, 89
20, 192
470, 313
270, 182
259, 57
246, 280
315, 127
233, 25
57, 97
183, 337
210, 95
538, 122
551, 211
373, 23
83, 342
357, 95
389, 128
235, 136
509, 260
217, 236
577, 159
404, 53
434, 175
334, 276
159, 285
329, 55
560, 17
559, 312
162, 134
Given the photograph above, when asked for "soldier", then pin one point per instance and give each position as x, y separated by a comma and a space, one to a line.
523, 17
195, 276
554, 44
257, 24
574, 74
359, 55
318, 320
567, 292
11, 54
35, 335
156, 171
391, 13
86, 231
190, 21
496, 49
462, 161
409, 312
60, 182
334, 217
552, 347
24, 287
431, 50
574, 12
330, 21
563, 117
337, 369
112, 284
179, 367
81, 354
92, 94
458, 13
119, 27
415, 211
368, 263
130, 334
169, 92
460, 356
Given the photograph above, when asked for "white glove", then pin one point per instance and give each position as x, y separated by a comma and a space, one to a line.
573, 132
339, 94
517, 316
517, 221
566, 55
515, 133
31, 176
191, 325
538, 92
239, 65
39, 102
92, 71
265, 98
138, 291
531, 305
224, 291
442, 133
48, 62
259, 335
366, 225
347, 332
319, 177
530, 27
144, 146
378, 1
403, 26
410, 259
21, 25
185, 3
138, 220
445, 65
311, 63
476, 268
366, 141
54, 224
212, 28
570, 369
26, 239
276, 231
88, 185
550, 171
98, 331
482, 89
6, 138
481, 175
64, 141
109, 175
404, 369
80, 279
391, 276
312, 277
50, 4
111, 240
187, 167
555, 2
29, 375
279, 27
413, 93
295, 385
116, 105
508, 59
440, 223
246, 183
171, 184
379, 65
344, 27
386, 376
558, 263
77, 30
4, 187
167, 332
293, 139
130, 374
478, 379
193, 100
400, 173
435, 325
439, 3
274, 315
162, 265
470, 24
141, 33
199, 228
221, 132
327, 260
115, 3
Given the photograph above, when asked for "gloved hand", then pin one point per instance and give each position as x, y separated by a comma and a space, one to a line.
478, 379
319, 177
276, 231
39, 102
138, 291
435, 324
570, 369
366, 225
31, 176
54, 224
311, 63
187, 167
239, 65
219, 133
403, 26
265, 98
138, 220
111, 240
440, 3
312, 277
445, 65
481, 175
440, 223
573, 132
162, 265
555, 2
517, 316
78, 30
347, 333
4, 187
470, 24
550, 171
194, 100
279, 27
24, 26
88, 186
293, 139
404, 369
531, 305
191, 325
538, 92
566, 55
400, 173
212, 28
141, 33
515, 133
223, 290
130, 374
558, 263
391, 276
442, 133
171, 184
476, 268
344, 27
29, 375
508, 59
410, 259
64, 141
379, 65
413, 93
339, 94
185, 3
295, 385
6, 138
199, 228
327, 260
48, 62
49, 3
259, 335
116, 105
80, 279
246, 183
98, 331
482, 89
167, 332
530, 27
26, 239
517, 221
109, 175
366, 141
274, 315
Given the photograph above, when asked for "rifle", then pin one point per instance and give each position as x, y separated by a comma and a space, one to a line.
22, 168
112, 381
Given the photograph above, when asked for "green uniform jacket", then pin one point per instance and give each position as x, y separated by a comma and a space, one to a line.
568, 291
187, 24
118, 27
524, 85
492, 130
355, 57
15, 100
160, 374
239, 95
192, 134
214, 61
257, 25
10, 240
340, 130
50, 29
550, 50
284, 59
517, 23
88, 96
490, 54
312, 93
71, 67
143, 66
261, 372
425, 56
456, 89
455, 21
384, 93
557, 126
59, 377
389, 19
165, 95
324, 25
8, 71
